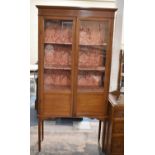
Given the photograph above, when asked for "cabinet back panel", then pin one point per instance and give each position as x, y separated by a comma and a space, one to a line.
57, 104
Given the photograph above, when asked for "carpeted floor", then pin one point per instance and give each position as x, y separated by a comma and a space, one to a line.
64, 136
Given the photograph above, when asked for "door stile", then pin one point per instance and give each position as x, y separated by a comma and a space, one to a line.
73, 63
40, 64
76, 66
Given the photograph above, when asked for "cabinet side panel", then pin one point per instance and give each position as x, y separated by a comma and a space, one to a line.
108, 60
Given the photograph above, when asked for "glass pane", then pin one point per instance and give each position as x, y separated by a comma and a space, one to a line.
93, 32
57, 79
92, 54
57, 54
58, 31
90, 79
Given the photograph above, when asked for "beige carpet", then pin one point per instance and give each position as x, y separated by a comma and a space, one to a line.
67, 139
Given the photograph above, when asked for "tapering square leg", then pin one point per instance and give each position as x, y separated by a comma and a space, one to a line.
42, 136
39, 134
104, 134
99, 130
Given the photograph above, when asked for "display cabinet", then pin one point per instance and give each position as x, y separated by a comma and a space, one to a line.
75, 47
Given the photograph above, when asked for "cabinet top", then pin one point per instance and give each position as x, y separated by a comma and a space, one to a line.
75, 8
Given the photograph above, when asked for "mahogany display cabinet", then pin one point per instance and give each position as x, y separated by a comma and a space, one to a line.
75, 48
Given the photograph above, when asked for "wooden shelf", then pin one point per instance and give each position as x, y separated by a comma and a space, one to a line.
97, 47
57, 43
57, 67
92, 69
90, 89
104, 44
57, 89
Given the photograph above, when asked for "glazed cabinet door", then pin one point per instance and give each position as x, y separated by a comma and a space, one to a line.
57, 48
93, 40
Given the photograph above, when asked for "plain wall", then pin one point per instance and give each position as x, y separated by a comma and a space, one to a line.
85, 3
117, 44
